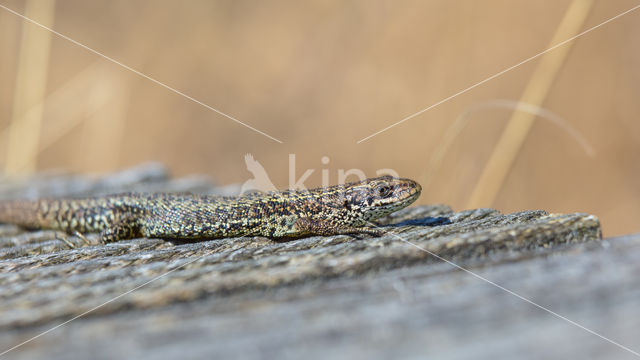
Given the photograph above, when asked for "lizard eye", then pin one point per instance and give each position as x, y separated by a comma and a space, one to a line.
384, 191
347, 204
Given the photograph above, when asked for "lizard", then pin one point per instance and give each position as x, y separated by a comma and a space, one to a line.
340, 209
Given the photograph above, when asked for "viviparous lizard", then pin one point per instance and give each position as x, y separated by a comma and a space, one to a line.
339, 209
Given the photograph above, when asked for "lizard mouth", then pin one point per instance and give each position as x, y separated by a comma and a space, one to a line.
406, 192
411, 197
412, 190
416, 190
411, 193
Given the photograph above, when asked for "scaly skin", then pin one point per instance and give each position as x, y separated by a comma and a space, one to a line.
340, 209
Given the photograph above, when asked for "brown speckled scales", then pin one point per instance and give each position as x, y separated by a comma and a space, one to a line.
340, 209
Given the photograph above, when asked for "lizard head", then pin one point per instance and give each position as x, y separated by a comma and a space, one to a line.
376, 197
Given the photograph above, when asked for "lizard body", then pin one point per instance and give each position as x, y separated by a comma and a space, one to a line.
340, 209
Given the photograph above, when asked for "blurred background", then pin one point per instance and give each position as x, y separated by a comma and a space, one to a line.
560, 132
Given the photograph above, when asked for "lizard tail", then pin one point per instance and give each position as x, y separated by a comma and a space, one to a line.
24, 213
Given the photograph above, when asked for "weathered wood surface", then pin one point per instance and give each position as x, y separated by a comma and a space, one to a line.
320, 297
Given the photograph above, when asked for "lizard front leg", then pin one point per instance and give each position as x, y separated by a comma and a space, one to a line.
326, 228
125, 228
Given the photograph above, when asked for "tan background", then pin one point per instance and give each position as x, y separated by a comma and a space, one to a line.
321, 75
